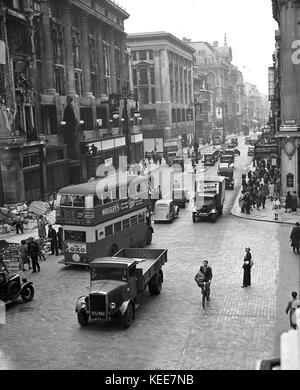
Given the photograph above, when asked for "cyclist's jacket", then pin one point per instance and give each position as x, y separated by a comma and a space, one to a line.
207, 273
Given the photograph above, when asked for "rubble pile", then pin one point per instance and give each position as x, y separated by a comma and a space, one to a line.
29, 215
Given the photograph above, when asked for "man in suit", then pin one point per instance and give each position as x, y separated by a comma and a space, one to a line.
52, 235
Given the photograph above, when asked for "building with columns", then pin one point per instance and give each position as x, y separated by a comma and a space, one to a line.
285, 95
214, 64
60, 62
162, 73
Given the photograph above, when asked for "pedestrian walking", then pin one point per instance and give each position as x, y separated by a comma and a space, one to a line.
23, 253
159, 192
19, 225
33, 250
242, 202
264, 195
258, 197
248, 263
276, 207
41, 228
247, 202
60, 238
271, 190
288, 202
53, 237
291, 308
294, 201
295, 237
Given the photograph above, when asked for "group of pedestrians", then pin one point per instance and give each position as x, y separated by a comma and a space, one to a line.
259, 185
154, 156
30, 252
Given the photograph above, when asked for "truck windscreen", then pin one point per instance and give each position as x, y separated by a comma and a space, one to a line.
108, 274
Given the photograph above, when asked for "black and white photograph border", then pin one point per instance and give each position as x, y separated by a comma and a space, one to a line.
149, 187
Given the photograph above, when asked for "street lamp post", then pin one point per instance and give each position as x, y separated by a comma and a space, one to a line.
125, 117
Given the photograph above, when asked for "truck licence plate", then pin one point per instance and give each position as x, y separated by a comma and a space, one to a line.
97, 313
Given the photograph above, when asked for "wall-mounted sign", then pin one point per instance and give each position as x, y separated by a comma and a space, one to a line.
290, 180
290, 122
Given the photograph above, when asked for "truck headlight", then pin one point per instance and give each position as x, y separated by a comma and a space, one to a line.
213, 211
112, 306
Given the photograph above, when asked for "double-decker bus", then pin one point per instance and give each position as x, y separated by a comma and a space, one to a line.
98, 219
211, 158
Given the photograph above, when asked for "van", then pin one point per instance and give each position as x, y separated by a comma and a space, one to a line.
165, 210
180, 197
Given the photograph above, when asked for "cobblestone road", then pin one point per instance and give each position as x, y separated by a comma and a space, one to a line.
171, 331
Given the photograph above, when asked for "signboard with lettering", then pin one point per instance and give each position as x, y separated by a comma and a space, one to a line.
90, 217
208, 187
290, 122
266, 150
76, 247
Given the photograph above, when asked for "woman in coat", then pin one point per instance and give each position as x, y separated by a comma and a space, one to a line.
295, 238
41, 228
247, 268
288, 202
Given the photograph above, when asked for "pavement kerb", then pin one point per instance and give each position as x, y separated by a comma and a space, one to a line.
252, 218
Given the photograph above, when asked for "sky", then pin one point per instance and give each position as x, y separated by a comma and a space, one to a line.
248, 25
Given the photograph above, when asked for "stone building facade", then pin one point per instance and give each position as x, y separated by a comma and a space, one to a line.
214, 63
285, 105
162, 73
62, 60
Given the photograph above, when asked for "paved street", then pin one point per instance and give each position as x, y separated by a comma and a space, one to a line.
171, 331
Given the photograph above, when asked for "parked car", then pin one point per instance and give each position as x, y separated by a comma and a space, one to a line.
165, 210
180, 197
11, 286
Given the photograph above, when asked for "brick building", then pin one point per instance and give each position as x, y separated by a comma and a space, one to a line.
162, 73
60, 63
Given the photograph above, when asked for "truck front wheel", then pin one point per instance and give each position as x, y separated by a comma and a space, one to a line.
128, 317
194, 218
83, 318
155, 284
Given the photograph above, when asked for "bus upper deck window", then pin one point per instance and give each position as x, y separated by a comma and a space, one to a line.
66, 200
97, 201
79, 201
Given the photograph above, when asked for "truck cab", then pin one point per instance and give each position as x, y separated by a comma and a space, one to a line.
116, 283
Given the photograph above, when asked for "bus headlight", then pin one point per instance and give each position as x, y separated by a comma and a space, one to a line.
112, 306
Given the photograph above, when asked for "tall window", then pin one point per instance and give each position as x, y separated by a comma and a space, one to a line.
59, 77
106, 67
144, 76
93, 63
144, 95
49, 120
142, 55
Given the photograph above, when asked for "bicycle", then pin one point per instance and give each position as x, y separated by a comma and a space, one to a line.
205, 291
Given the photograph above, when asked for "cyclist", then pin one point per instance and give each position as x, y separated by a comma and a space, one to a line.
206, 270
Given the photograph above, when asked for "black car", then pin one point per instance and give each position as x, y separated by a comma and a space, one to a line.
11, 287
